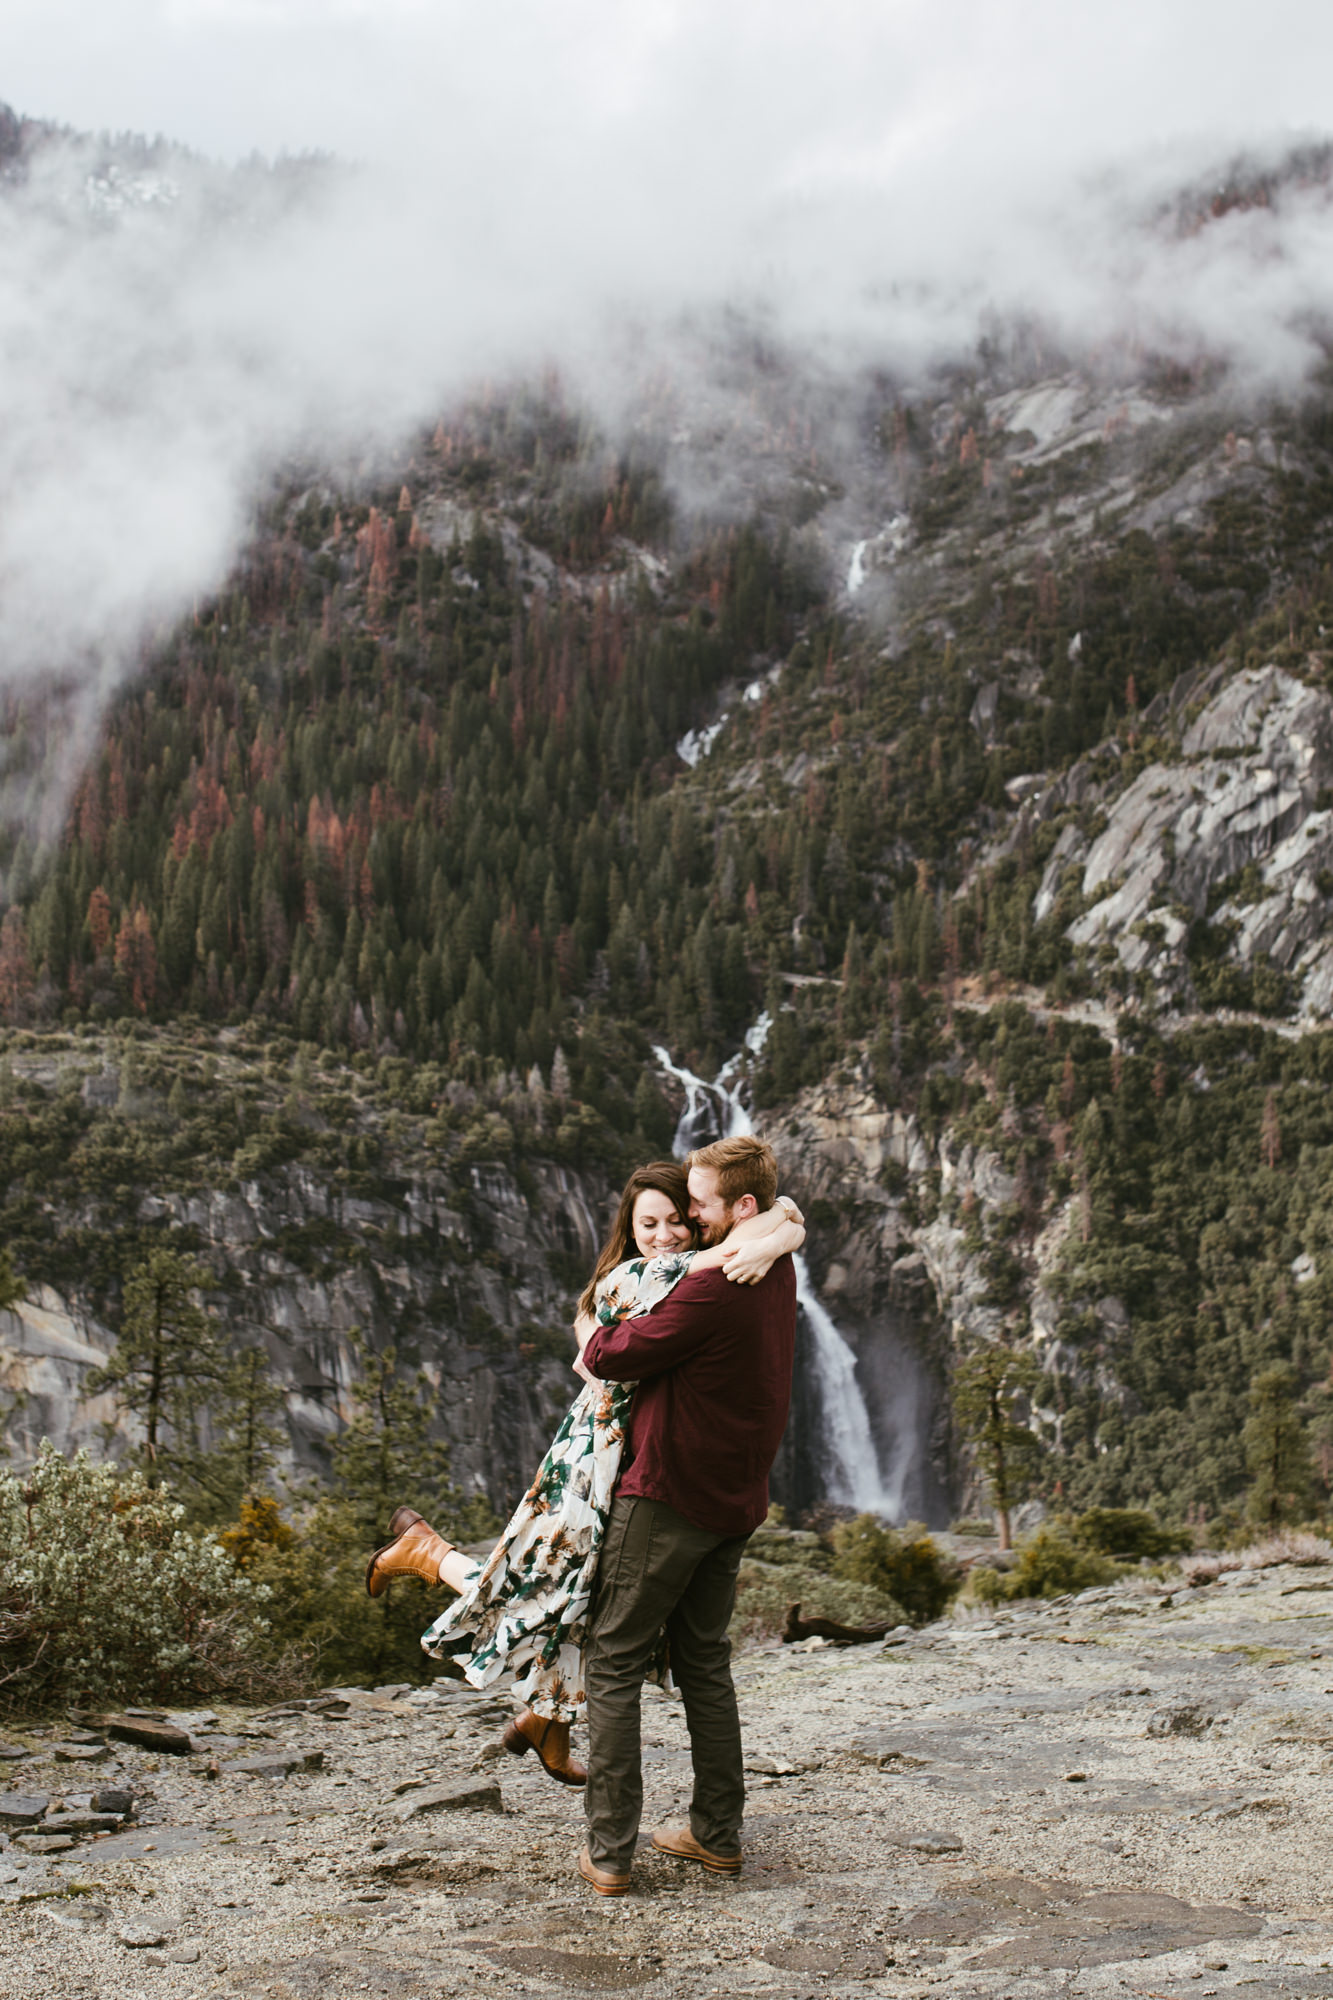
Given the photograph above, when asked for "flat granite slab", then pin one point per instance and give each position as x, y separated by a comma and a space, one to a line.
1006, 1808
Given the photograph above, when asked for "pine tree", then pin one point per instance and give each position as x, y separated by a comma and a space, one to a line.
235, 1415
1277, 1451
386, 1457
987, 1386
853, 1012
1270, 1132
651, 1115
561, 1085
168, 1361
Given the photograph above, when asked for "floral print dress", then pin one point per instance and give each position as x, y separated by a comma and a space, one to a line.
524, 1609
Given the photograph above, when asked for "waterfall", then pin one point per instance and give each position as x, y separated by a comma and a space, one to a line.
852, 1472
852, 1463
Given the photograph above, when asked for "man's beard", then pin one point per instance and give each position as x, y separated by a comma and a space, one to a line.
717, 1232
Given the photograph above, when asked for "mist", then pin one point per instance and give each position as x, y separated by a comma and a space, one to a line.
616, 198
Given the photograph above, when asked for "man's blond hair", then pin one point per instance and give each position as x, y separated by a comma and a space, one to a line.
744, 1165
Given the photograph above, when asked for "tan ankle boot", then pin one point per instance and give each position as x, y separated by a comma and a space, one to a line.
416, 1551
551, 1742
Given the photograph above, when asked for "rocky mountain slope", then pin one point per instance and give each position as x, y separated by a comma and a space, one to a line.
986, 749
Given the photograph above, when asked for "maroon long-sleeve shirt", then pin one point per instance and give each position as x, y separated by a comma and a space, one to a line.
713, 1363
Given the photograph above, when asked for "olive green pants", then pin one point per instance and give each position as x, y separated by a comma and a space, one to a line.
657, 1570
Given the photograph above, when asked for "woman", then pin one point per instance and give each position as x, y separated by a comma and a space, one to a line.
522, 1610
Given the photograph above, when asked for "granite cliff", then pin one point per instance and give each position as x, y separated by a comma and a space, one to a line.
1219, 815
462, 1247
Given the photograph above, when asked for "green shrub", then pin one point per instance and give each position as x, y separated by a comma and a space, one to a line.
906, 1566
1130, 1532
973, 1527
774, 1544
1050, 1564
105, 1598
765, 1590
318, 1602
315, 1578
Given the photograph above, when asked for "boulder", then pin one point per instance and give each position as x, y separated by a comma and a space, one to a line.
1184, 1719
279, 1766
82, 1822
149, 1734
113, 1799
450, 1798
22, 1808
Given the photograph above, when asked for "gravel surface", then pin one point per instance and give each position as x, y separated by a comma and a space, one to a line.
1121, 1794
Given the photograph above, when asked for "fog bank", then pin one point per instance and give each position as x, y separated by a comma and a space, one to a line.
611, 196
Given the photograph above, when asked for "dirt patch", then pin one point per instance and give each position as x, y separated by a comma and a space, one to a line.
1057, 1925
589, 1971
849, 1961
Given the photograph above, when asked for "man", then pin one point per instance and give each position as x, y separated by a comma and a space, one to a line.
713, 1363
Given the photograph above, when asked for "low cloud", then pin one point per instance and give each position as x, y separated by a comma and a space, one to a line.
615, 192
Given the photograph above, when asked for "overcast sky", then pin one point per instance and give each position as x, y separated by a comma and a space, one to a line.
562, 181
649, 154
782, 91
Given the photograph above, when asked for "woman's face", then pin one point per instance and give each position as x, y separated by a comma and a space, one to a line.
658, 1225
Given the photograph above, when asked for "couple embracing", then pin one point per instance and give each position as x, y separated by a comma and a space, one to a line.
621, 1560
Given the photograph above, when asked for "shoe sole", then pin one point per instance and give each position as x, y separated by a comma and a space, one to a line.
518, 1745
715, 1864
370, 1572
401, 1520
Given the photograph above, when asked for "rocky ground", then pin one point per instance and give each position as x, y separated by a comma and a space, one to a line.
1120, 1793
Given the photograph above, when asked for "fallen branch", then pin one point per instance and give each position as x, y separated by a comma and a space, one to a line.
797, 1627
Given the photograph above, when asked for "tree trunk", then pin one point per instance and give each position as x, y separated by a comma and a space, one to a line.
154, 1403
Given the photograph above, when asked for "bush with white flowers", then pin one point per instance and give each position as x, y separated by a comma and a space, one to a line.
105, 1597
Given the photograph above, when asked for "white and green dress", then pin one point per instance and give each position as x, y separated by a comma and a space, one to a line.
523, 1610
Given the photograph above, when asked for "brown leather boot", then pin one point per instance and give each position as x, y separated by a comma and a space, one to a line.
551, 1742
416, 1550
680, 1841
604, 1880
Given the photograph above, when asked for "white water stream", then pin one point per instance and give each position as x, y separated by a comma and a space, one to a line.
851, 1469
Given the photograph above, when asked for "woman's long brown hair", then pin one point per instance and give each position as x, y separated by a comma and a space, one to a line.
662, 1177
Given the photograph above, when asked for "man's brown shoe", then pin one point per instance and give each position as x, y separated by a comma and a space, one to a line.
603, 1880
551, 1742
678, 1840
415, 1551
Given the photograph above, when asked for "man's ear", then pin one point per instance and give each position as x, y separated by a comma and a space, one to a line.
745, 1207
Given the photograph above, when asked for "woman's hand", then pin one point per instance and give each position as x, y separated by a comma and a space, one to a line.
746, 1262
585, 1326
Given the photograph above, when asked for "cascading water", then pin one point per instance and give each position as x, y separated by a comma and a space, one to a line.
851, 1466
